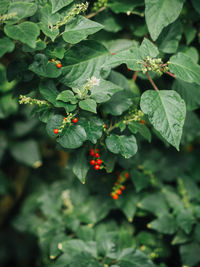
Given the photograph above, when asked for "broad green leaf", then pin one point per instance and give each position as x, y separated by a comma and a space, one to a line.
79, 28
189, 253
196, 5
54, 123
135, 127
118, 45
118, 6
93, 127
190, 51
181, 238
4, 6
42, 67
47, 21
185, 68
104, 91
27, 152
59, 4
190, 33
108, 245
166, 111
40, 45
6, 46
147, 48
173, 199
67, 96
159, 14
22, 9
110, 22
81, 165
190, 92
124, 145
169, 38
83, 61
185, 220
26, 32
118, 103
140, 180
191, 128
165, 224
72, 136
89, 105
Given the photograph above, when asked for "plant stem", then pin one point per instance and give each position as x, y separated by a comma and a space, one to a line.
152, 82
135, 75
95, 13
170, 74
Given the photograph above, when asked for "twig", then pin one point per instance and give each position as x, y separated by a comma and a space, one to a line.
135, 75
152, 82
170, 74
95, 13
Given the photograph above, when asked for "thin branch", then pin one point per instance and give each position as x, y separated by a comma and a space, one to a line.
95, 13
170, 74
135, 75
152, 82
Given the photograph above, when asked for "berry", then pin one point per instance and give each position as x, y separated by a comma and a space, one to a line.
97, 150
127, 175
75, 120
59, 65
115, 196
99, 161
52, 60
123, 187
113, 54
97, 155
56, 131
92, 152
96, 167
143, 122
116, 183
119, 191
92, 162
105, 126
65, 118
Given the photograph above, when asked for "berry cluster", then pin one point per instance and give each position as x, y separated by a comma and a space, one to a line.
119, 186
64, 122
155, 65
57, 62
96, 161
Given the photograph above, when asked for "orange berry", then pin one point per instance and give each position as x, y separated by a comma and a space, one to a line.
92, 162
59, 65
143, 122
123, 187
127, 175
119, 191
97, 155
99, 161
56, 131
92, 152
52, 60
75, 120
96, 167
115, 196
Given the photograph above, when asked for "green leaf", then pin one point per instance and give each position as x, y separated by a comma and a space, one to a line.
23, 10
83, 61
72, 136
67, 96
185, 68
89, 105
26, 32
190, 92
6, 46
93, 127
118, 103
190, 33
190, 255
4, 6
166, 111
110, 22
165, 224
118, 6
185, 220
140, 180
27, 152
135, 127
124, 145
40, 45
104, 91
79, 28
54, 123
42, 67
159, 14
59, 4
196, 5
169, 38
147, 48
80, 165
47, 21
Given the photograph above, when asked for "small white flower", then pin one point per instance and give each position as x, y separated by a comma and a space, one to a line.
93, 81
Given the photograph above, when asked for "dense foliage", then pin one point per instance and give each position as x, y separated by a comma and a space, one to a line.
107, 92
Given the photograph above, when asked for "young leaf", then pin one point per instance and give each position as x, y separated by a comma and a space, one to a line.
185, 68
80, 165
59, 4
159, 14
22, 10
6, 46
26, 32
185, 220
89, 105
166, 111
79, 28
147, 48
67, 96
124, 145
165, 224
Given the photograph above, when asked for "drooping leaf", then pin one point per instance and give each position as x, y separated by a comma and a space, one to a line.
59, 4
159, 14
6, 46
79, 28
166, 111
185, 68
26, 32
121, 144
80, 165
89, 105
185, 220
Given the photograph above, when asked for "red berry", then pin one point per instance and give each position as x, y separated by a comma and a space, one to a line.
119, 191
92, 152
96, 167
105, 126
143, 122
56, 131
97, 150
115, 196
97, 155
123, 187
127, 175
92, 162
52, 60
75, 120
59, 65
113, 54
99, 161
